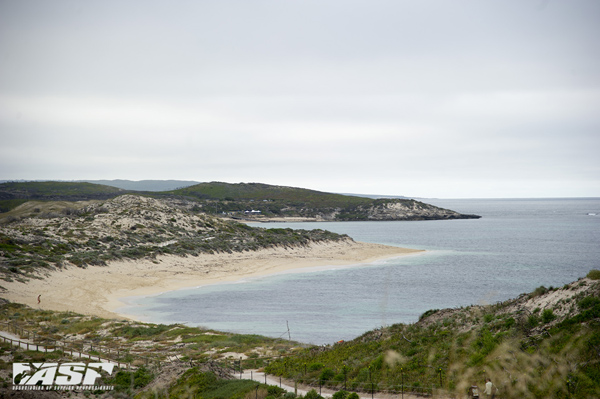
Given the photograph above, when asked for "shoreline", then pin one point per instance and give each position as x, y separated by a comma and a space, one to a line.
100, 290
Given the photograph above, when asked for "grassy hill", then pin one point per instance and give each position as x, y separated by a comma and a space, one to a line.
260, 192
13, 194
545, 344
281, 201
237, 200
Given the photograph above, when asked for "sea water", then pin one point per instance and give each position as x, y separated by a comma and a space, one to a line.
517, 246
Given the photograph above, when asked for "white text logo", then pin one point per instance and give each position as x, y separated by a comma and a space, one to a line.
44, 376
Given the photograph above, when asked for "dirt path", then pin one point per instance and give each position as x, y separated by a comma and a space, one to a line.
301, 389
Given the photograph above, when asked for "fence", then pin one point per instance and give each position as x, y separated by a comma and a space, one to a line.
85, 350
372, 388
363, 387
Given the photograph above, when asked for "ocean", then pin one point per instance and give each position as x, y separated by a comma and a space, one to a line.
517, 246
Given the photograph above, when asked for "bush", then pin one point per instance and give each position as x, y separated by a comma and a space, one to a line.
312, 394
125, 380
428, 313
588, 302
341, 394
275, 391
548, 316
326, 375
510, 322
532, 321
315, 366
594, 274
541, 290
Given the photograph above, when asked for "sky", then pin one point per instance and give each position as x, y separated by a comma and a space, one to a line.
423, 98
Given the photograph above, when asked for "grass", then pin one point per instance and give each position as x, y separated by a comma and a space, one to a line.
197, 383
594, 275
156, 339
555, 358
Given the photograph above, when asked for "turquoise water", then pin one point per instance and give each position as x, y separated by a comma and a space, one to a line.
515, 247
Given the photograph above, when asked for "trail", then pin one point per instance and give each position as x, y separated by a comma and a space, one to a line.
28, 344
301, 389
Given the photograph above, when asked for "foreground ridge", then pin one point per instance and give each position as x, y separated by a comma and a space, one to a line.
542, 344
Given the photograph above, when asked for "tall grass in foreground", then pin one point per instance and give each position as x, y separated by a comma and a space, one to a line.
549, 353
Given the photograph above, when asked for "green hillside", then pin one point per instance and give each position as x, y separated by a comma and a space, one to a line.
279, 201
259, 191
239, 200
545, 344
13, 194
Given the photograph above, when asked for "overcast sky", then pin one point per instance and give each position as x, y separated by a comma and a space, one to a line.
425, 98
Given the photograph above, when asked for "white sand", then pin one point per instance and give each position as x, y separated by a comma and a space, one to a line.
96, 290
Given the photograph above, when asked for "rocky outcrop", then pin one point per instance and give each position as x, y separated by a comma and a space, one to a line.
413, 210
397, 209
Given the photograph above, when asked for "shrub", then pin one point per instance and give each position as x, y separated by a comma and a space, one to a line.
275, 391
541, 290
312, 394
326, 375
126, 379
532, 321
509, 322
340, 394
315, 366
594, 274
548, 315
428, 313
588, 302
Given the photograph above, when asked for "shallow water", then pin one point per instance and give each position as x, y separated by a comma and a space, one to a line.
517, 246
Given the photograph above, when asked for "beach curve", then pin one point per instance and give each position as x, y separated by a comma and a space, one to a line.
99, 290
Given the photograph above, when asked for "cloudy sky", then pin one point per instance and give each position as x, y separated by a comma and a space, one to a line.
426, 98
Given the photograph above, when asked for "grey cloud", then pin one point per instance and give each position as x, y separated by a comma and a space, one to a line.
422, 98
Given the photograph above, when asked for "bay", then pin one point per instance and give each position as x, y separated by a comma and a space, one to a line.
516, 246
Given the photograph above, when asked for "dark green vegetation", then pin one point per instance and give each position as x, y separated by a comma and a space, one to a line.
44, 235
195, 383
528, 351
236, 200
13, 194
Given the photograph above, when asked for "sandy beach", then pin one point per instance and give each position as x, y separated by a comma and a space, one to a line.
96, 290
